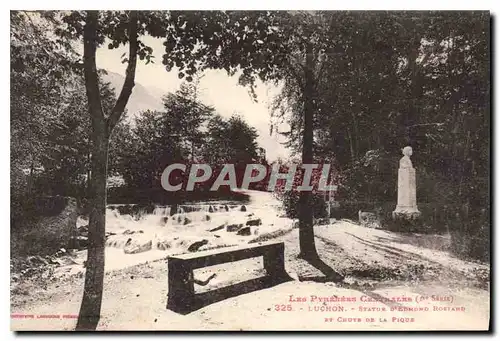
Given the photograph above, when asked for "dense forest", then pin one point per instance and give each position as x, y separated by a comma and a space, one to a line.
50, 140
416, 79
391, 79
387, 80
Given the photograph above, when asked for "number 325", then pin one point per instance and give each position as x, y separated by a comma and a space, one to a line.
283, 307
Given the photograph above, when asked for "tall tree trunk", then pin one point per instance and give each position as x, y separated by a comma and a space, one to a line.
306, 229
102, 126
89, 174
351, 146
412, 114
94, 277
355, 133
90, 309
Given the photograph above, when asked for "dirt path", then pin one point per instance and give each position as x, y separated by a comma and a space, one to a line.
378, 265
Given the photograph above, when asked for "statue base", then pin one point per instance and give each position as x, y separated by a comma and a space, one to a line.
405, 219
406, 213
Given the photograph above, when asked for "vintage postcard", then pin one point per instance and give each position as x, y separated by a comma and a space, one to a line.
250, 170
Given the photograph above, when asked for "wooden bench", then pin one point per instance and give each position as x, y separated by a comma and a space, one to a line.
181, 295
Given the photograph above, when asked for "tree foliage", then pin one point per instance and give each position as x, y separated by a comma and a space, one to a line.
410, 78
392, 79
356, 88
186, 131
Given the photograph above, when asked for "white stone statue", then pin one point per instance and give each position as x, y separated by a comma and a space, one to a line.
405, 161
407, 187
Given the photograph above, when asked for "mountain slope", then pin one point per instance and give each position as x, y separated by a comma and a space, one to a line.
141, 98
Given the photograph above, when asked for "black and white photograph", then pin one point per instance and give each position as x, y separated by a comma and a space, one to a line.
250, 170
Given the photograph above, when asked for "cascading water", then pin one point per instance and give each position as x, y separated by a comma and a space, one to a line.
140, 231
140, 234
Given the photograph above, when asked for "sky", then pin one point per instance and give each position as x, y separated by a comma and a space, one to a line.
216, 89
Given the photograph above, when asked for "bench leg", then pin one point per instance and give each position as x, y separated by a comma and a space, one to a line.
274, 262
180, 287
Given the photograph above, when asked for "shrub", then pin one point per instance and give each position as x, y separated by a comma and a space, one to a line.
290, 201
470, 233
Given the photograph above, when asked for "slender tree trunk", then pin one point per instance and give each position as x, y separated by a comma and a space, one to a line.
32, 164
463, 165
89, 174
94, 277
351, 146
412, 114
306, 229
102, 126
90, 309
355, 134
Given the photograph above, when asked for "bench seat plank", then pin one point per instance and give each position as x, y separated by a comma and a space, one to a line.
219, 256
181, 294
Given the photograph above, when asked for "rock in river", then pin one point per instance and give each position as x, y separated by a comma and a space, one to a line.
234, 227
254, 222
245, 231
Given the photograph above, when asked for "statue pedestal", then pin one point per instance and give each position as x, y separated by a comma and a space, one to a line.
400, 213
407, 195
